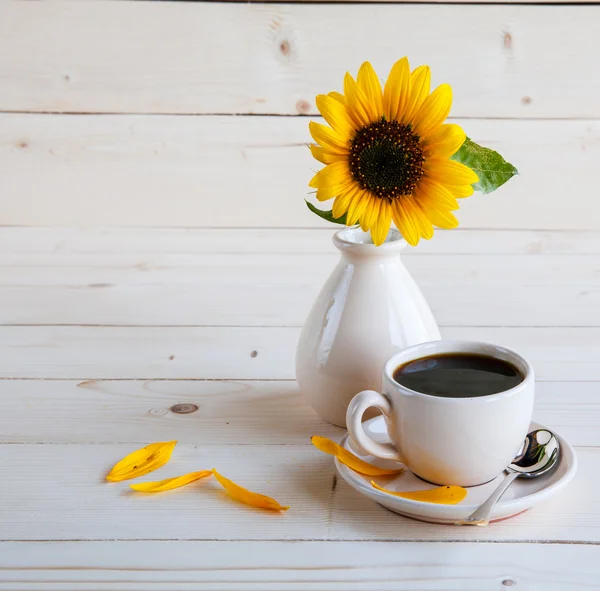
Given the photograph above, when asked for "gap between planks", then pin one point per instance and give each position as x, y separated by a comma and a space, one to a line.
305, 115
295, 541
503, 43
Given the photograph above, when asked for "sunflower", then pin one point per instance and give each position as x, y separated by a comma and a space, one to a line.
387, 154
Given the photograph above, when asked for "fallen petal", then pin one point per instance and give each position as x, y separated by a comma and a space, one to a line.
443, 495
349, 459
142, 461
170, 483
243, 495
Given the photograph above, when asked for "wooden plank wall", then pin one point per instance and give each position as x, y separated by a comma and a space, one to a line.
121, 112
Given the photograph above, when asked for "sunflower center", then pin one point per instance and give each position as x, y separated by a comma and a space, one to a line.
386, 159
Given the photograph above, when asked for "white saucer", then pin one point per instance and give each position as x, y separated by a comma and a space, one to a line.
522, 494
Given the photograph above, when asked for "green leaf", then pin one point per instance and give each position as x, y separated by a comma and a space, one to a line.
326, 215
492, 169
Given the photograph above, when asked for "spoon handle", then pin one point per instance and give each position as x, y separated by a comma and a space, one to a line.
481, 516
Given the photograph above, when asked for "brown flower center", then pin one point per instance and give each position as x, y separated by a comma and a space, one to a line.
386, 159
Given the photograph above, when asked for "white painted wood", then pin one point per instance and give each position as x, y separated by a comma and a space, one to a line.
125, 352
91, 352
59, 436
56, 492
506, 61
123, 411
254, 171
90, 282
63, 425
205, 241
296, 566
252, 412
278, 290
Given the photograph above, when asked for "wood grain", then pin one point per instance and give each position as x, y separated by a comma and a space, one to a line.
278, 290
295, 566
240, 412
221, 306
70, 501
506, 60
192, 241
135, 170
91, 352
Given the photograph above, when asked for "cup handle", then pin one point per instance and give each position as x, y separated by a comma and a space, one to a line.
356, 409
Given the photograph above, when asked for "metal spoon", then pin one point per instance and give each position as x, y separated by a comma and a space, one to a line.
538, 455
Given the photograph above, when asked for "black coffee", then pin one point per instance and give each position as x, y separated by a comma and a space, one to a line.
458, 375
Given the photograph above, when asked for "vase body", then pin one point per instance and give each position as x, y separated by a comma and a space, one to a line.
369, 309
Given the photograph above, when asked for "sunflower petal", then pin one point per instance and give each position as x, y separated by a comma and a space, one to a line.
371, 213
337, 96
449, 172
420, 81
170, 483
142, 461
461, 191
396, 91
356, 102
341, 204
366, 216
349, 459
369, 83
442, 219
444, 141
381, 228
434, 211
324, 156
326, 193
335, 173
328, 138
424, 224
357, 207
439, 192
433, 111
335, 114
405, 223
239, 493
443, 495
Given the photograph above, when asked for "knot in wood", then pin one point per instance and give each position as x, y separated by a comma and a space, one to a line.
184, 409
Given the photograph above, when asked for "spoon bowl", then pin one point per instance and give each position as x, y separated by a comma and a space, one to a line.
538, 455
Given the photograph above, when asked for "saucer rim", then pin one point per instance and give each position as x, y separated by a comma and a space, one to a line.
568, 457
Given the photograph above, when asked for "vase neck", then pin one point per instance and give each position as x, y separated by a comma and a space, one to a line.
356, 244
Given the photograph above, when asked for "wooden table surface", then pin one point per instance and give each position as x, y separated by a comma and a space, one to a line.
104, 331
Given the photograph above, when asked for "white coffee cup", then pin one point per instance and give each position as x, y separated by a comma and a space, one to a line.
461, 441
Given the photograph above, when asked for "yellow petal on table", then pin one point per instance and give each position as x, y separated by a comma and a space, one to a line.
239, 493
170, 483
443, 495
349, 459
142, 461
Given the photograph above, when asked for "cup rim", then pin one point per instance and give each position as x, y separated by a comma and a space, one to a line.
459, 346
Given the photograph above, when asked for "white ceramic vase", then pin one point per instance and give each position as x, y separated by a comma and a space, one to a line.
369, 309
